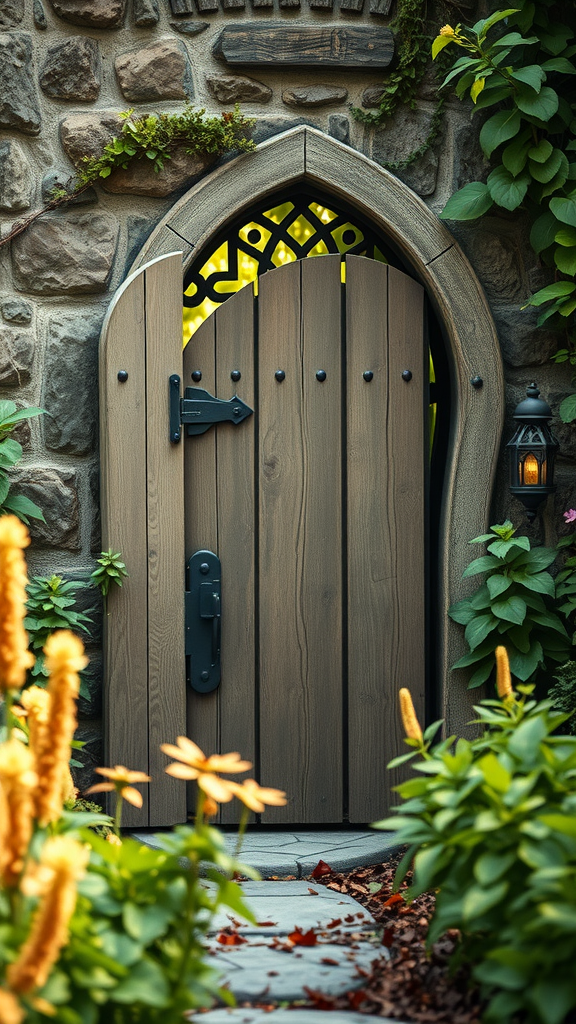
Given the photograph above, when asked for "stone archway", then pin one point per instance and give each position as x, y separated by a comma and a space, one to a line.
305, 154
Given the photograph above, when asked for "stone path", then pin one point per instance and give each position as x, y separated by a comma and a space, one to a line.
297, 853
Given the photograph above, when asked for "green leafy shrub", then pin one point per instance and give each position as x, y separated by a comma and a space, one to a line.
10, 456
491, 825
111, 569
514, 605
51, 605
563, 694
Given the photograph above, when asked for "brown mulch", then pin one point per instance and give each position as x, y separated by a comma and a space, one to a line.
413, 984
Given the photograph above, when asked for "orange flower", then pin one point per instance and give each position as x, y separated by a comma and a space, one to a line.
503, 677
15, 658
256, 797
409, 720
193, 764
17, 782
210, 807
67, 861
10, 1010
64, 660
121, 780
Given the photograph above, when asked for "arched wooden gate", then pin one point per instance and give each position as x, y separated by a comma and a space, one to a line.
314, 505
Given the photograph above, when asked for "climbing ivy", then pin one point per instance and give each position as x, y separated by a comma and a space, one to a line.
522, 61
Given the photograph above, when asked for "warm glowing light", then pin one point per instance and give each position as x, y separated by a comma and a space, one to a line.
531, 473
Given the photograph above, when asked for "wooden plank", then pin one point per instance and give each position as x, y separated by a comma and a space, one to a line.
123, 502
380, 7
236, 532
201, 527
294, 606
385, 462
305, 46
165, 488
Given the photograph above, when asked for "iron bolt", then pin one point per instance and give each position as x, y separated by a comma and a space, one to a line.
122, 376
204, 675
235, 375
321, 375
476, 382
368, 375
197, 375
279, 375
204, 568
406, 375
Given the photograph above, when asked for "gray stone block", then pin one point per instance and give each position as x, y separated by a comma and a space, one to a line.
146, 13
87, 134
521, 341
495, 251
470, 164
16, 311
238, 89
96, 528
39, 15
19, 104
266, 128
314, 96
16, 357
66, 254
55, 491
72, 71
339, 128
160, 71
89, 601
394, 144
189, 28
11, 13
70, 384
141, 179
92, 13
138, 230
15, 177
182, 7
63, 179
372, 96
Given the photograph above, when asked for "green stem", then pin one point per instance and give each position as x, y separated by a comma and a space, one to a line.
242, 829
118, 812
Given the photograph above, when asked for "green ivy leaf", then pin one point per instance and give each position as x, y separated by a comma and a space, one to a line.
567, 307
541, 152
506, 190
564, 210
478, 629
565, 259
552, 291
499, 128
566, 236
516, 153
542, 105
544, 173
559, 64
533, 76
512, 610
543, 231
468, 203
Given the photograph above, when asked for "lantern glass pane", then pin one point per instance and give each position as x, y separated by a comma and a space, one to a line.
531, 470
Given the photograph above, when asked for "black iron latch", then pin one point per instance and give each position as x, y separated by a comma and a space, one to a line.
199, 410
203, 621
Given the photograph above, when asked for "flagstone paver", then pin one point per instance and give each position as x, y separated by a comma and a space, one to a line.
248, 1015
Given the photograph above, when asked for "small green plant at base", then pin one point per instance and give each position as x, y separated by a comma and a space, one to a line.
10, 455
51, 605
111, 569
563, 694
514, 605
490, 826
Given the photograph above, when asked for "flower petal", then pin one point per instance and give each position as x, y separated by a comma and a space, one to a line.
219, 789
102, 787
181, 771
230, 763
132, 796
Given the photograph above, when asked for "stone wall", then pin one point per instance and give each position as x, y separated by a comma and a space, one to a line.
67, 67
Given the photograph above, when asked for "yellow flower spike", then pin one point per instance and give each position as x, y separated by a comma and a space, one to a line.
503, 677
447, 30
10, 1010
256, 797
409, 720
67, 860
15, 658
64, 660
17, 783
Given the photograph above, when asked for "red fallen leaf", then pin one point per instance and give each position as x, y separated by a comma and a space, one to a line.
349, 919
356, 998
266, 924
272, 974
334, 923
330, 961
321, 869
388, 937
230, 939
396, 898
319, 1000
312, 891
300, 938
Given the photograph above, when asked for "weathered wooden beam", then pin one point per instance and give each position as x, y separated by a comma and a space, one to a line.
280, 45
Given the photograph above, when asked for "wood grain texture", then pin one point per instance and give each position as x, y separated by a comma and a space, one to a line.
201, 524
123, 501
299, 577
236, 531
386, 504
165, 489
303, 46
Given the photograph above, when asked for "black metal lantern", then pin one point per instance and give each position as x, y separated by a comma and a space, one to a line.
532, 451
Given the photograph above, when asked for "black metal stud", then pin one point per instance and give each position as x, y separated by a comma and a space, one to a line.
204, 568
280, 375
406, 375
368, 375
320, 375
235, 375
197, 375
476, 382
122, 376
